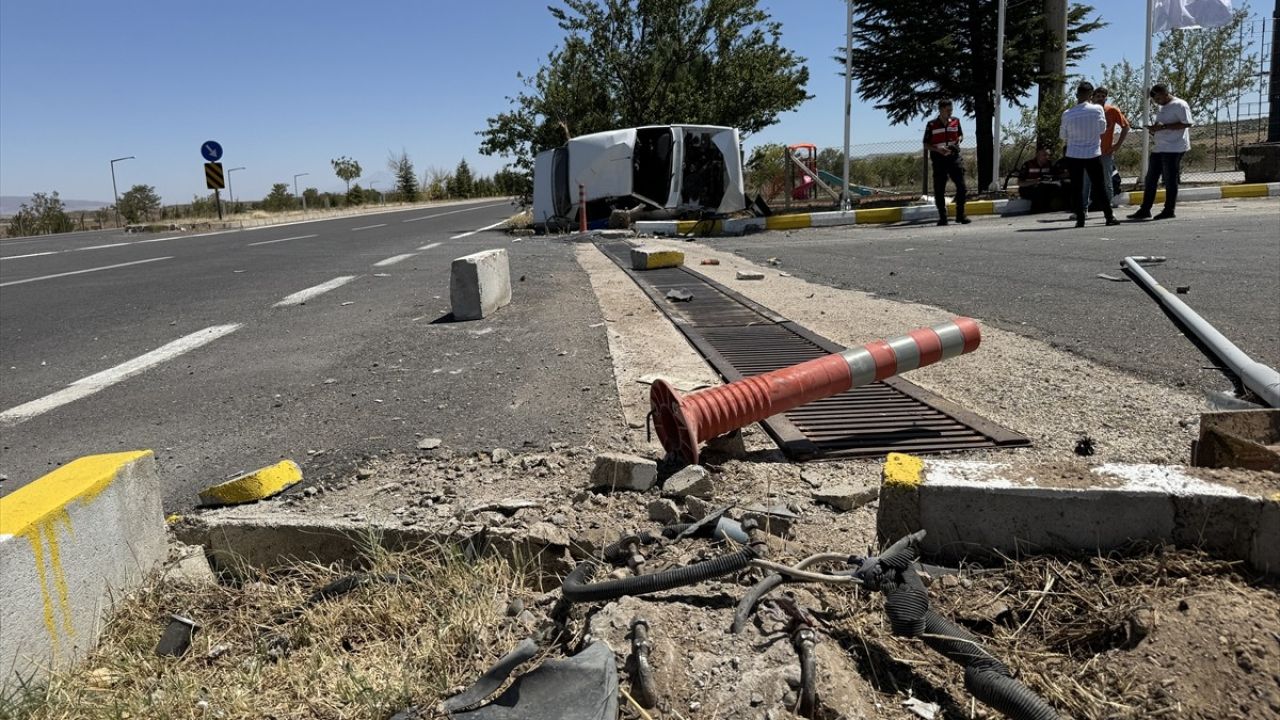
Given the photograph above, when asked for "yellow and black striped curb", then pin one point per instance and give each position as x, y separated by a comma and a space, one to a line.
916, 213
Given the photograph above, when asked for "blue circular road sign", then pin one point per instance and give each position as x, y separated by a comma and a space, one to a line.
211, 150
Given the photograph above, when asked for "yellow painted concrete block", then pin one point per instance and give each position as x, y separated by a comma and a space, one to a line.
878, 215
254, 486
647, 258
1244, 191
78, 481
903, 471
980, 207
788, 222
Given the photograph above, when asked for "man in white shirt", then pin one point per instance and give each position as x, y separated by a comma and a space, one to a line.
1172, 134
1082, 127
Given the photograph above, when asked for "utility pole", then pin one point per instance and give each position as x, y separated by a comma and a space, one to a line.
114, 192
1053, 65
845, 200
1273, 124
995, 151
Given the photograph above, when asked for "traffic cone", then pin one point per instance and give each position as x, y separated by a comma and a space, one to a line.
684, 422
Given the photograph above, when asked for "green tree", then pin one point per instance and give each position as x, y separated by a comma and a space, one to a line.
43, 216
139, 203
346, 169
462, 184
907, 65
311, 198
406, 178
279, 198
624, 63
355, 195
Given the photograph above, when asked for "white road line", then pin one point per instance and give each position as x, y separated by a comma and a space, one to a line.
102, 247
394, 259
19, 257
268, 242
85, 387
369, 227
480, 230
452, 212
81, 272
428, 246
302, 296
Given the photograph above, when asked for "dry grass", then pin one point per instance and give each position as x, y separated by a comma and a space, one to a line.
265, 652
1066, 627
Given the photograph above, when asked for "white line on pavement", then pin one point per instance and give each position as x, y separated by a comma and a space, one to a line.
428, 246
369, 227
19, 257
479, 230
85, 387
393, 260
268, 242
452, 212
302, 296
104, 247
81, 272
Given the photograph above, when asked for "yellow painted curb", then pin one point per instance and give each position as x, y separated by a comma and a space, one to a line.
650, 259
80, 480
980, 207
788, 222
903, 471
878, 215
253, 486
1244, 191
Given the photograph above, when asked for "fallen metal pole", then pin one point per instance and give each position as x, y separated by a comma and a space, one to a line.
683, 422
1261, 380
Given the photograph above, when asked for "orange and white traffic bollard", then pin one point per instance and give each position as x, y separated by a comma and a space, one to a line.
582, 208
684, 422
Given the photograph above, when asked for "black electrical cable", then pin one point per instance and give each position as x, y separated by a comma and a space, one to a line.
577, 589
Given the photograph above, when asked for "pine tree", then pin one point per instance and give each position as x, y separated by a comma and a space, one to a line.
462, 184
406, 178
907, 64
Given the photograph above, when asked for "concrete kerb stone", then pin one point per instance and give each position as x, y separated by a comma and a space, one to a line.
254, 486
71, 543
479, 284
654, 258
979, 510
919, 213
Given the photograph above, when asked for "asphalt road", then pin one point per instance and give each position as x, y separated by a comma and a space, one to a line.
1037, 275
204, 349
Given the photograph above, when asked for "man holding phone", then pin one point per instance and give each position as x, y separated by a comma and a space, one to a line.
1172, 134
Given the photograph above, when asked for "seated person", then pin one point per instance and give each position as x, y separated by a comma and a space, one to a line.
1038, 182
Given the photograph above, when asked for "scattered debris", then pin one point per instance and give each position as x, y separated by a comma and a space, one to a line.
364, 473
177, 636
750, 275
709, 261
254, 486
679, 295
1183, 289
499, 456
1149, 259
847, 497
663, 511
429, 443
1112, 278
692, 480
1084, 446
654, 258
619, 471
922, 709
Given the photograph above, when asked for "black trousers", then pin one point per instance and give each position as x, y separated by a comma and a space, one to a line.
1078, 167
944, 167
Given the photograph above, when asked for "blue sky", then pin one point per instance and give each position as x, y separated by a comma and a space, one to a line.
287, 86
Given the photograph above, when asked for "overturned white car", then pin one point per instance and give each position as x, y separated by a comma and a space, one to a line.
683, 169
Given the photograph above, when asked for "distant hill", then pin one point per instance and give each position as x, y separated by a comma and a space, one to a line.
9, 204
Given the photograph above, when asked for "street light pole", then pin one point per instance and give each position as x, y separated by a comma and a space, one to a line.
114, 191
231, 192
995, 160
845, 203
295, 190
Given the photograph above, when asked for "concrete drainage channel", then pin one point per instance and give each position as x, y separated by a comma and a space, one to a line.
740, 338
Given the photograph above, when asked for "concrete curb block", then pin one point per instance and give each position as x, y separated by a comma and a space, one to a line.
653, 258
254, 486
479, 284
973, 509
919, 213
236, 542
70, 543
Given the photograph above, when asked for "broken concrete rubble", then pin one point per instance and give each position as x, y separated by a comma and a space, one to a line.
847, 497
619, 471
692, 480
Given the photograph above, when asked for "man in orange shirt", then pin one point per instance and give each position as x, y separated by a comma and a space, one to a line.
1114, 118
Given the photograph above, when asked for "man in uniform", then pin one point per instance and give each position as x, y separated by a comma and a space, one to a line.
1036, 181
1082, 128
942, 137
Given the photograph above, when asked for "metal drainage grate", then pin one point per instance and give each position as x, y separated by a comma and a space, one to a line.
741, 338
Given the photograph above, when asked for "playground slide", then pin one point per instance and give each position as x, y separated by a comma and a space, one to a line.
835, 182
801, 191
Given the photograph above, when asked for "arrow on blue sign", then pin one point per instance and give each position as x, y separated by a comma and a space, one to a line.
211, 151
